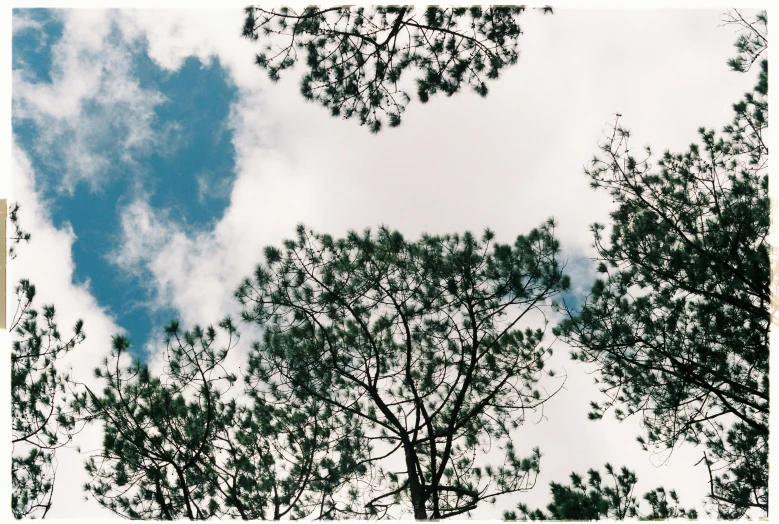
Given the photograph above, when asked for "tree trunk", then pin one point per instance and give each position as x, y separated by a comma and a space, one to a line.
414, 486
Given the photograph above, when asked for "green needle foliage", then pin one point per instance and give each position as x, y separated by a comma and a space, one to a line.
287, 459
355, 57
751, 44
178, 446
18, 234
604, 499
419, 344
678, 324
159, 431
40, 419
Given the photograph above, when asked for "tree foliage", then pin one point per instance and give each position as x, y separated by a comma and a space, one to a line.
678, 324
41, 421
417, 343
599, 500
355, 57
752, 43
19, 234
177, 445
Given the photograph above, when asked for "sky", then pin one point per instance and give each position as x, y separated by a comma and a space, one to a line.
153, 161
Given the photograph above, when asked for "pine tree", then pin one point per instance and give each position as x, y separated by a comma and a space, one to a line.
178, 445
599, 500
355, 57
420, 345
41, 420
678, 324
19, 234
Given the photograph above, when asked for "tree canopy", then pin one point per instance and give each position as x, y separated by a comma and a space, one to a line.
678, 324
355, 57
598, 500
178, 445
418, 343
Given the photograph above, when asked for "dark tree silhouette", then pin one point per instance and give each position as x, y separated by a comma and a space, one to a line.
41, 421
610, 498
19, 234
678, 325
178, 446
355, 57
418, 343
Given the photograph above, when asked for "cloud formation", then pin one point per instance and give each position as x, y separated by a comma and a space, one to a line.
94, 113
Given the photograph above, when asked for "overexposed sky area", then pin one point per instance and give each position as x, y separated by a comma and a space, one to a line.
93, 126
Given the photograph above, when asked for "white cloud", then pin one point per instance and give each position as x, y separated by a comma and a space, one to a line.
207, 34
23, 20
94, 113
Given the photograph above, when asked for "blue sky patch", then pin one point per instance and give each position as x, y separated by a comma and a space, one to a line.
582, 271
187, 172
31, 47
